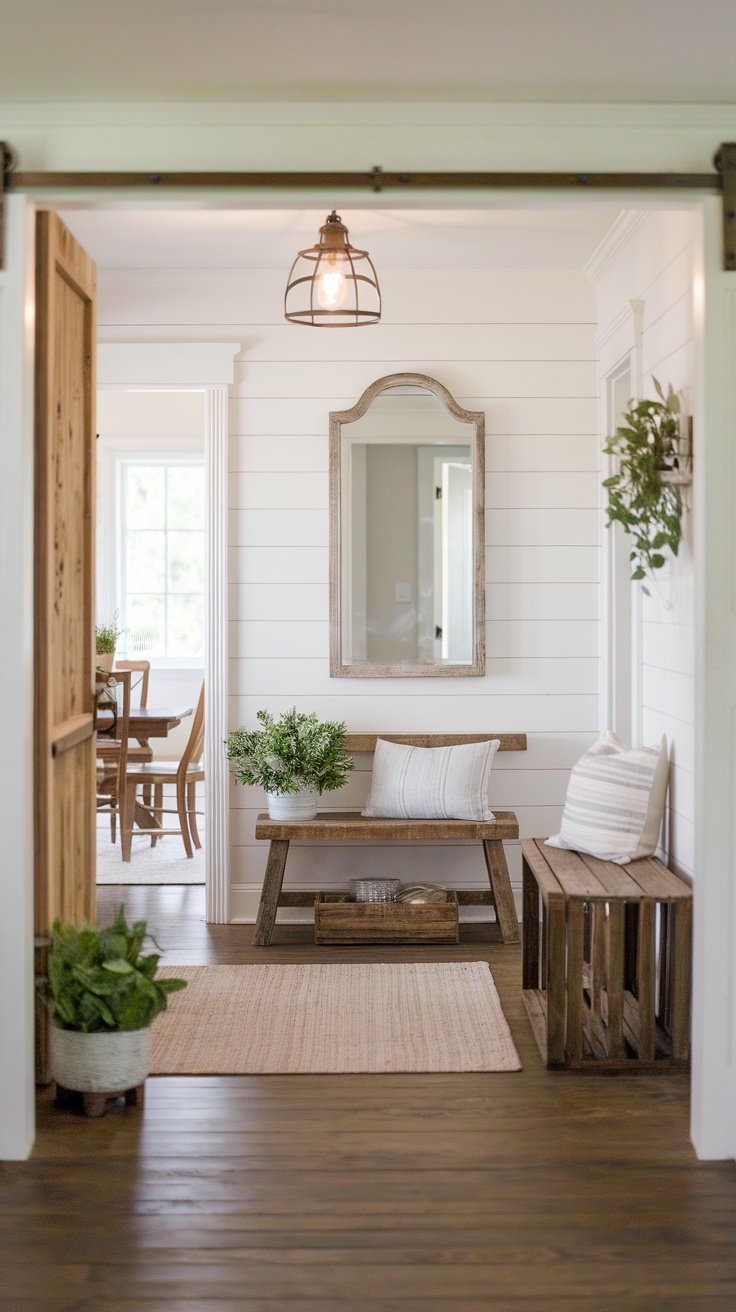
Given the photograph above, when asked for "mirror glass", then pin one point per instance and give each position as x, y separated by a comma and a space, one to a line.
408, 501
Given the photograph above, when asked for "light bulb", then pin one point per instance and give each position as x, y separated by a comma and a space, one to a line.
332, 286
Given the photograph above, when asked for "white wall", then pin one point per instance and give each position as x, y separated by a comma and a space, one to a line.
518, 345
651, 261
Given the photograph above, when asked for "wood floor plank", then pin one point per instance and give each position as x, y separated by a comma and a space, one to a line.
536, 1192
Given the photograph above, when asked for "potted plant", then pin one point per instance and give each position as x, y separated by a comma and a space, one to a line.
644, 495
102, 995
107, 633
295, 759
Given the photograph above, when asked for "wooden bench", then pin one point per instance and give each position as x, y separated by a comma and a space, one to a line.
351, 826
607, 982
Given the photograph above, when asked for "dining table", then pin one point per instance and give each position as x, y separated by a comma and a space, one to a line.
145, 721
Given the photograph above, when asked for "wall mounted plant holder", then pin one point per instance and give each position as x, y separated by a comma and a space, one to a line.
654, 465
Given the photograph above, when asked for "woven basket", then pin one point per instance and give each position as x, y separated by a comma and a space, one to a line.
100, 1063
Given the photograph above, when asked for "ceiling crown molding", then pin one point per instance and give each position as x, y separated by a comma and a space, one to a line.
614, 241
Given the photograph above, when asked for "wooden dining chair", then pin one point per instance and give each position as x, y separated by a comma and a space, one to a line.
140, 750
185, 774
112, 758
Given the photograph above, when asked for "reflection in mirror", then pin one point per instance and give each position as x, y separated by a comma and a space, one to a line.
409, 490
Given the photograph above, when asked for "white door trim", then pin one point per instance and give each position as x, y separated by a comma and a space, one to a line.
17, 329
713, 1108
207, 367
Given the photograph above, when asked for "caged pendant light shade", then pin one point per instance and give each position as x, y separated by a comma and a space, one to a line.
333, 284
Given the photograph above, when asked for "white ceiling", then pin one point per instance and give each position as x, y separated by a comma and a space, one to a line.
220, 50
424, 239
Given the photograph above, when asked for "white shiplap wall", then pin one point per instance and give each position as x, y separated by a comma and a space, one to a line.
517, 344
654, 265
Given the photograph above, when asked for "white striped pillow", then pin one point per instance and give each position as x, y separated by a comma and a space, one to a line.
432, 783
615, 801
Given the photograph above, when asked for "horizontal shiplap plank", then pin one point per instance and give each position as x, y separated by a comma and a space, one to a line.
682, 792
278, 565
504, 601
543, 528
542, 452
278, 454
532, 491
542, 601
542, 564
669, 647
279, 491
679, 839
470, 376
285, 601
279, 638
428, 712
282, 416
672, 329
669, 692
680, 735
300, 675
543, 638
278, 528
432, 341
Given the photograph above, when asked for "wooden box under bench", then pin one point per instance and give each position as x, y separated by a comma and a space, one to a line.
339, 920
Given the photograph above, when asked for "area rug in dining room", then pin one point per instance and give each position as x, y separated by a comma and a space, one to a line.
333, 1019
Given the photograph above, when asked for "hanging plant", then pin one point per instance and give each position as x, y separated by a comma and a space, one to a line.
642, 496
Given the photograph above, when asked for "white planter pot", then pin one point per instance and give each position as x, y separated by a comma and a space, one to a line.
100, 1063
292, 806
105, 661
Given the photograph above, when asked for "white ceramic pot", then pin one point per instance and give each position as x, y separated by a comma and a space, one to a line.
292, 806
105, 661
100, 1063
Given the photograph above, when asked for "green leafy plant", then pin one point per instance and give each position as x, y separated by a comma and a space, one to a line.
99, 981
648, 507
107, 633
294, 753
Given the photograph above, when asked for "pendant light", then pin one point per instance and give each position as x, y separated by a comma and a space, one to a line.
332, 284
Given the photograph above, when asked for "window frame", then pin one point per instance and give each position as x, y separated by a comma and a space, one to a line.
113, 455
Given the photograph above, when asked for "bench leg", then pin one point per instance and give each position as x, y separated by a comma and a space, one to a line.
271, 892
503, 898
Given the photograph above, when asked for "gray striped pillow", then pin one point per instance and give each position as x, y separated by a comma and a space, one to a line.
615, 801
432, 783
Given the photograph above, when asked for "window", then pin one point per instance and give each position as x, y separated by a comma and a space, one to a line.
161, 556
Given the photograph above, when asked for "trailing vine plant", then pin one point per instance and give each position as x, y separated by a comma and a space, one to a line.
649, 508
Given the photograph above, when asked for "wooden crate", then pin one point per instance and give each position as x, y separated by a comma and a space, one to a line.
337, 920
606, 972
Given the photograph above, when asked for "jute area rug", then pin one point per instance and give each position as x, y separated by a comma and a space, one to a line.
320, 1019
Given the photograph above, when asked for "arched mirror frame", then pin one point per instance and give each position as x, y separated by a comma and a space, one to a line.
475, 419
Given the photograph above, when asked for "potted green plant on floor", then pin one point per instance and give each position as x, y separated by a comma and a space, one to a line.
295, 759
107, 633
103, 996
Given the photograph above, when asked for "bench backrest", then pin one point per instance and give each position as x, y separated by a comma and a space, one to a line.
366, 742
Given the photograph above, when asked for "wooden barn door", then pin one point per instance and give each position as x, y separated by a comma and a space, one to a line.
64, 578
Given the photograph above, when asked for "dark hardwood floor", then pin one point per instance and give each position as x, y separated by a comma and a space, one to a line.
423, 1193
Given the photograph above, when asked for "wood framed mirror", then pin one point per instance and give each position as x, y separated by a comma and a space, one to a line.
407, 483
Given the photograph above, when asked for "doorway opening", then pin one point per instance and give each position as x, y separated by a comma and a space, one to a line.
150, 583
